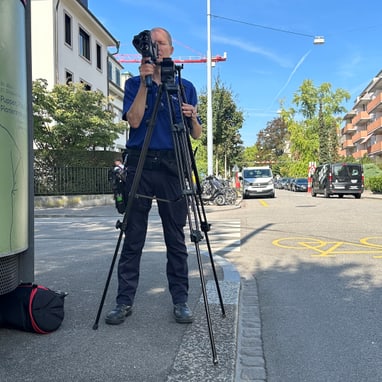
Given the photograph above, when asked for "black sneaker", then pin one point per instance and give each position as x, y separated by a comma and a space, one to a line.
183, 314
118, 314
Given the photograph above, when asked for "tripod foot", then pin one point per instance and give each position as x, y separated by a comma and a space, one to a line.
95, 326
215, 361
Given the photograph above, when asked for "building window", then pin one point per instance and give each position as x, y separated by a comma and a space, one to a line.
68, 30
68, 77
99, 57
84, 44
117, 76
87, 86
109, 71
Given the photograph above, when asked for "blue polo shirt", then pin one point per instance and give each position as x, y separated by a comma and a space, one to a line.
162, 136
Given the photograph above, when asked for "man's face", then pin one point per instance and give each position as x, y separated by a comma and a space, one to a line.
165, 50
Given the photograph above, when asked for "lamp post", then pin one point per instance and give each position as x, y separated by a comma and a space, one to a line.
209, 94
317, 40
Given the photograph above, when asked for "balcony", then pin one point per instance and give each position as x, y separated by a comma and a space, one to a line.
362, 100
376, 148
350, 115
349, 129
343, 153
361, 118
347, 144
375, 126
359, 136
377, 84
375, 104
360, 154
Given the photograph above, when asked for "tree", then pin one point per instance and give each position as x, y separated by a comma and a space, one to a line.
249, 156
313, 126
322, 107
271, 141
227, 121
71, 119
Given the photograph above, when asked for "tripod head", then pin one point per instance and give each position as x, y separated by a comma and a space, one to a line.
168, 72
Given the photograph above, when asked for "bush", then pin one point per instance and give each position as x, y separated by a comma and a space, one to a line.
371, 171
375, 183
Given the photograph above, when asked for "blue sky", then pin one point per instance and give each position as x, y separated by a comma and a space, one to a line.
263, 65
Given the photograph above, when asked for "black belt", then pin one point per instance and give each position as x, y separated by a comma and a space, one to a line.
160, 154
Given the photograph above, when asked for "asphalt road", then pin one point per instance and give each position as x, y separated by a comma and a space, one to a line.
318, 266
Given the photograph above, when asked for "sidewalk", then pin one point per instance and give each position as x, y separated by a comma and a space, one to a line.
73, 252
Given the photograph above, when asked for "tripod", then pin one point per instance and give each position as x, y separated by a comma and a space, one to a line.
191, 192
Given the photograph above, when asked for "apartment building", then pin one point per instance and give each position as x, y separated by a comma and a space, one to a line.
69, 44
116, 84
361, 134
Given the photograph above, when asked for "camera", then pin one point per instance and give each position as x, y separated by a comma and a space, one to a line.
145, 45
168, 73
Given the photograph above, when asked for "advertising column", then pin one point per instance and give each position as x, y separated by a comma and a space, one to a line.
14, 146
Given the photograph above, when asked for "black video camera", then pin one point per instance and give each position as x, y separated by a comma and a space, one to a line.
145, 45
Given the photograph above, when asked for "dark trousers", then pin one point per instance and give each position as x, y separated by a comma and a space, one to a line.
164, 185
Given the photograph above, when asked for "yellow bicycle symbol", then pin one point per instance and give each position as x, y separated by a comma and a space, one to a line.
320, 248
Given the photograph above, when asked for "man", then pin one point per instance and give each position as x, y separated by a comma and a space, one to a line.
158, 179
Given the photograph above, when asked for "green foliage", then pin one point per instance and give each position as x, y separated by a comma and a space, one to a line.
249, 156
313, 138
373, 177
322, 109
227, 121
375, 183
69, 119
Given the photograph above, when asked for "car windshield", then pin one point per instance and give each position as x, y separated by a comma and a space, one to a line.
258, 173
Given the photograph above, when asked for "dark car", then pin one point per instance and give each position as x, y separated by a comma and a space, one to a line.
300, 184
288, 184
338, 179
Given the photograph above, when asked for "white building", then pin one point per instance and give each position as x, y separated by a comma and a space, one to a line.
69, 44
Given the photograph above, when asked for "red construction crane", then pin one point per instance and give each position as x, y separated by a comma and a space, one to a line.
136, 58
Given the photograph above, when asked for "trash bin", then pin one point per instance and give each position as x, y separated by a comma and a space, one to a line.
16, 154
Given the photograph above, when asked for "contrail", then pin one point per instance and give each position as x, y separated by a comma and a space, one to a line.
291, 75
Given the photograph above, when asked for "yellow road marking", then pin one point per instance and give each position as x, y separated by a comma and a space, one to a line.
320, 248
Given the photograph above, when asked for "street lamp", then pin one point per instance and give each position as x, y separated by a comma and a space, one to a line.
317, 40
209, 94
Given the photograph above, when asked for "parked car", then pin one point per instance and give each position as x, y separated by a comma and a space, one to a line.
338, 179
300, 184
257, 181
288, 184
280, 183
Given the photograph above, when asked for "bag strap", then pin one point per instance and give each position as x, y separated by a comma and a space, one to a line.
36, 328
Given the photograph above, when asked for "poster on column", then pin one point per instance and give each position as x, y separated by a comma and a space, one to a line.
13, 129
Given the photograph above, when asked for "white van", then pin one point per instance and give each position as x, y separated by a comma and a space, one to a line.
257, 181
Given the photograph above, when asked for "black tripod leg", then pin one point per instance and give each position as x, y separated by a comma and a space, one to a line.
95, 326
214, 273
206, 306
199, 202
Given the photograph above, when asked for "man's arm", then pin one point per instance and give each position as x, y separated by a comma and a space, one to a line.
135, 114
196, 130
